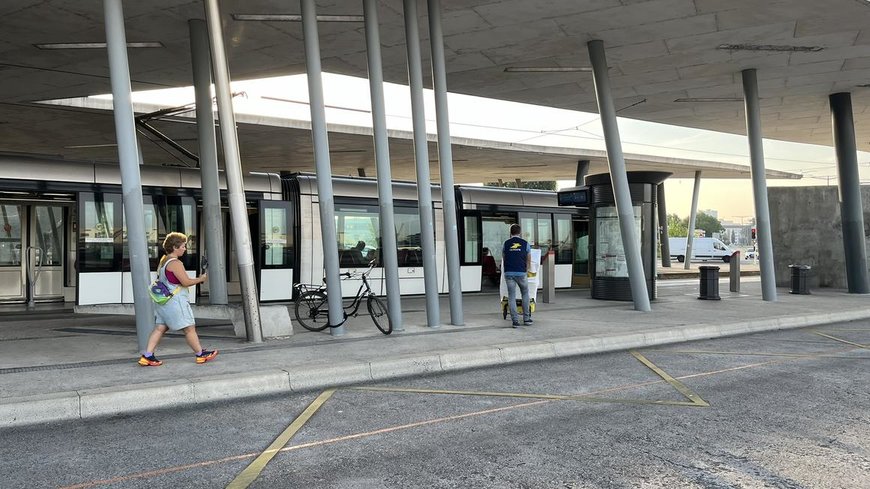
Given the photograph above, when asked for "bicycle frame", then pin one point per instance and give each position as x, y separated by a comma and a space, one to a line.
351, 309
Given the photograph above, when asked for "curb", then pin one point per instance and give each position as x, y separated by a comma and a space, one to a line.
110, 401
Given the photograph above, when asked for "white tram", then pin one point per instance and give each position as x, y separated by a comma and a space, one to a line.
62, 232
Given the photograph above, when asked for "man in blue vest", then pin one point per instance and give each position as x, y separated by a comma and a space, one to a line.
517, 260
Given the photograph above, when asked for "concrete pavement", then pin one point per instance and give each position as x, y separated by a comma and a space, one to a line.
56, 366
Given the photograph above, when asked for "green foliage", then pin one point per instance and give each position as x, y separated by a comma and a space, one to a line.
539, 185
680, 227
709, 224
677, 227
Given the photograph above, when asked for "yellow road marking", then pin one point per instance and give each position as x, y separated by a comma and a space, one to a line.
676, 384
759, 354
247, 476
842, 340
205, 463
550, 397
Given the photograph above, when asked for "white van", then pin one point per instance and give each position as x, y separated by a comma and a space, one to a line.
702, 249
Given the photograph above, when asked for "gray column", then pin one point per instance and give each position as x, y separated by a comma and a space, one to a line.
851, 208
233, 168
759, 185
208, 164
693, 215
582, 171
421, 154
131, 182
618, 177
382, 159
445, 158
663, 225
323, 168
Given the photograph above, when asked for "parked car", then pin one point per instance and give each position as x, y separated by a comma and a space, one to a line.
751, 254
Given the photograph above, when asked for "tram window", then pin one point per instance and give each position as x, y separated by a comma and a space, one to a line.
359, 237
49, 234
10, 236
545, 232
358, 233
100, 232
162, 216
276, 236
496, 229
472, 240
408, 237
564, 243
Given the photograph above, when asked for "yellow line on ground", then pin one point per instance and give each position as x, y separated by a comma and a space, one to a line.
520, 395
679, 386
251, 472
842, 340
759, 354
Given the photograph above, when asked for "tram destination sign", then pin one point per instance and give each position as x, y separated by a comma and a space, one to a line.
574, 196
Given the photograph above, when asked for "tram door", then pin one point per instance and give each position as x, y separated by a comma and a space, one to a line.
31, 235
580, 277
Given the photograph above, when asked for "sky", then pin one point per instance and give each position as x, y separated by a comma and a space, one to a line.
347, 102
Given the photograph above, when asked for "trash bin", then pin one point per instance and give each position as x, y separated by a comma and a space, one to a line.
799, 275
709, 283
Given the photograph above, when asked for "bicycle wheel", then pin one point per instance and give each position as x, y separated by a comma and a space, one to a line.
312, 311
378, 312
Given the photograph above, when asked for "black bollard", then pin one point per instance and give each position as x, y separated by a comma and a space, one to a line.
799, 275
709, 283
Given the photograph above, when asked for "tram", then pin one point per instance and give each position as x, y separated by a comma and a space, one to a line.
63, 234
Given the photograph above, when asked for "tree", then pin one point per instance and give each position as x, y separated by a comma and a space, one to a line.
677, 227
708, 223
539, 185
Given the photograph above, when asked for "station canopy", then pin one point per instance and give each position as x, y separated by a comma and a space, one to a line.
671, 61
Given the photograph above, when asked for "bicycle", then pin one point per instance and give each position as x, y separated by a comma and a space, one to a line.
312, 309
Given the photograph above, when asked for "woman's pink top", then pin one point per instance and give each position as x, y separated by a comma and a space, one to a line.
171, 278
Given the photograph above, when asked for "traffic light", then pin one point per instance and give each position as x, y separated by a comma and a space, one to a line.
753, 233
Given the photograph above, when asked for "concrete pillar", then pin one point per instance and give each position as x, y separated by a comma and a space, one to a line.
445, 159
322, 164
382, 160
208, 164
663, 225
582, 171
421, 153
618, 177
851, 208
233, 168
693, 214
131, 182
764, 246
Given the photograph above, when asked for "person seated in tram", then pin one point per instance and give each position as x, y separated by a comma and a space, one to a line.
356, 253
490, 269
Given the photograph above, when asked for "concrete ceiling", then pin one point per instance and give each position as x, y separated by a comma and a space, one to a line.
658, 51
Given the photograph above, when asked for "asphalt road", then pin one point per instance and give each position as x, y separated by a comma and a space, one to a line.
786, 410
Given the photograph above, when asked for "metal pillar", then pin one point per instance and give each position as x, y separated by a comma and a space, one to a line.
759, 185
131, 182
582, 171
618, 177
663, 225
208, 164
233, 168
851, 208
693, 215
445, 158
382, 159
323, 168
421, 153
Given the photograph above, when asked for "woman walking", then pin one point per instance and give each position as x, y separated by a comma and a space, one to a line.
176, 313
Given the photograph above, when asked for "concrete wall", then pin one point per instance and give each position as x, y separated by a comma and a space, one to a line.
807, 230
